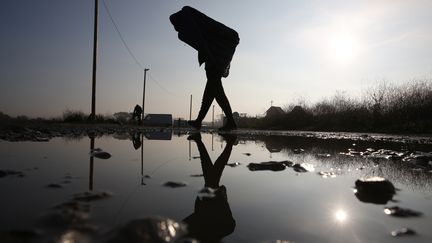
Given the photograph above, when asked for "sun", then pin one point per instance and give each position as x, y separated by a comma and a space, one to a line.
342, 47
340, 216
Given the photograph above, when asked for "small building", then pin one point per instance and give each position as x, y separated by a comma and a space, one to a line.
165, 134
158, 120
274, 111
180, 122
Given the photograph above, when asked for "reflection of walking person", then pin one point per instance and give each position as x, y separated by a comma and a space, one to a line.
216, 45
137, 114
212, 218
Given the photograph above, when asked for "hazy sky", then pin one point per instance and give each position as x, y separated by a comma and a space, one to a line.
288, 49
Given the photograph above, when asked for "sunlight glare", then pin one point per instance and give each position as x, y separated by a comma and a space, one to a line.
343, 47
340, 216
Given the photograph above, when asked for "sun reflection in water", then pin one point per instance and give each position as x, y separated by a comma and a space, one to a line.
340, 216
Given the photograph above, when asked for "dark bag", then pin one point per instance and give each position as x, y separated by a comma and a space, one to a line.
214, 41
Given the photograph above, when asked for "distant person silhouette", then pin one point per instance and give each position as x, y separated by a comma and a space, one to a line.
136, 140
137, 114
212, 218
216, 45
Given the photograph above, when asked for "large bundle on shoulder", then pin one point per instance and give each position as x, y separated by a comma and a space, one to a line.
214, 41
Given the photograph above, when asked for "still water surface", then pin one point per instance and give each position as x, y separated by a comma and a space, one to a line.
252, 206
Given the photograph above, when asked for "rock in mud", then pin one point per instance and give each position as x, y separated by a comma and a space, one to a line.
323, 155
402, 232
375, 190
235, 164
299, 168
303, 167
91, 196
419, 160
271, 165
174, 184
401, 212
149, 230
69, 215
298, 150
100, 154
54, 186
5, 173
327, 174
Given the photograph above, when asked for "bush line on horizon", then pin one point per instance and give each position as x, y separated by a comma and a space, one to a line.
383, 108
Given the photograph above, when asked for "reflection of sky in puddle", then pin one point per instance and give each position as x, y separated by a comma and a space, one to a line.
266, 205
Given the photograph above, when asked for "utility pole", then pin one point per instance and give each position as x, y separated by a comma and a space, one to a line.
190, 109
145, 72
142, 157
93, 106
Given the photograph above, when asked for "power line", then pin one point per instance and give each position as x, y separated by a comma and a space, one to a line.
130, 51
121, 36
160, 86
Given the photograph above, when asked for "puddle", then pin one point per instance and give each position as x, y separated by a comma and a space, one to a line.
249, 187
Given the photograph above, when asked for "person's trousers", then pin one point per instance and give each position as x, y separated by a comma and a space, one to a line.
214, 90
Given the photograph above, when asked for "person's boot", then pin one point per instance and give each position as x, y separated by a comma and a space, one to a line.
230, 125
195, 137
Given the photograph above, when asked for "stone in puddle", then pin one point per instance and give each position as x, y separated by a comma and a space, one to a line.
401, 212
298, 150
54, 185
323, 155
419, 159
302, 168
235, 164
174, 184
100, 154
271, 165
149, 230
376, 190
402, 232
4, 173
299, 168
327, 174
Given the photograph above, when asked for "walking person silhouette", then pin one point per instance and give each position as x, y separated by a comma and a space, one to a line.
216, 45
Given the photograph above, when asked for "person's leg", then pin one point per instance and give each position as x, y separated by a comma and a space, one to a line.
208, 97
221, 162
207, 100
222, 100
206, 163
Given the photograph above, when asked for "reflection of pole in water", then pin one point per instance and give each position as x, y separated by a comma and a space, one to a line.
189, 150
213, 117
212, 137
142, 156
92, 142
